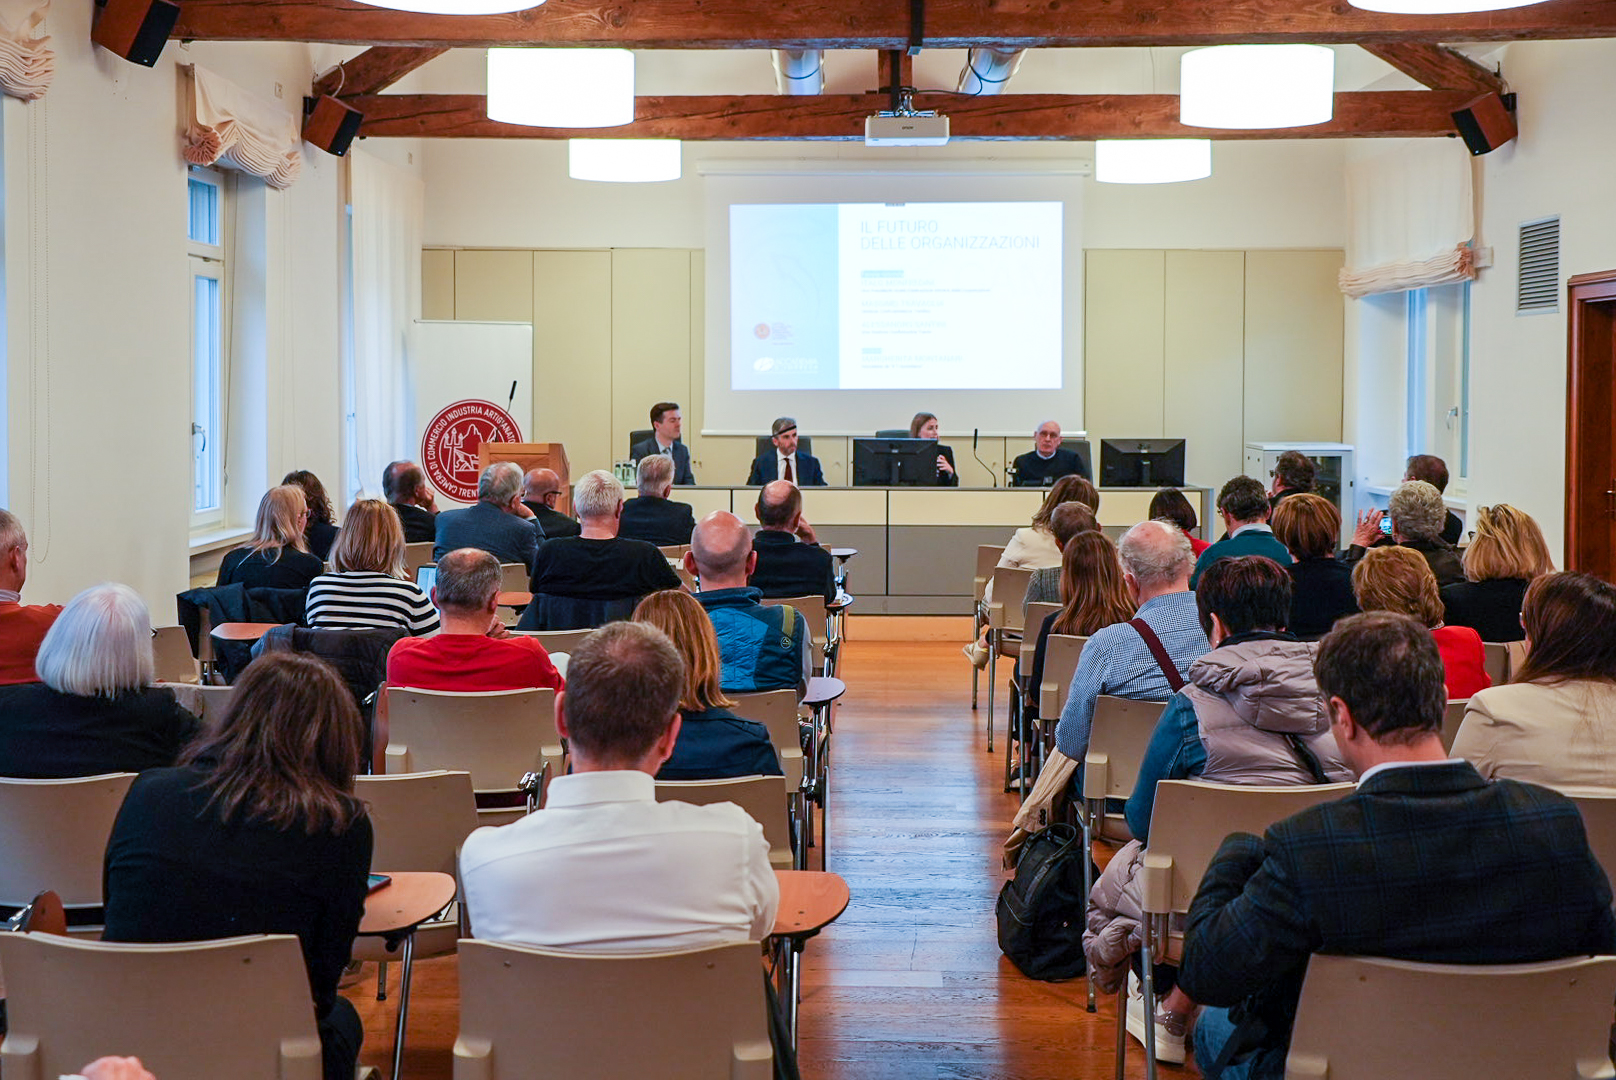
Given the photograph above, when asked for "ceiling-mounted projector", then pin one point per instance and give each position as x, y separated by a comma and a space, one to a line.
906, 129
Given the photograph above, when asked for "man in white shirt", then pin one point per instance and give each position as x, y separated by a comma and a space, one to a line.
786, 461
604, 867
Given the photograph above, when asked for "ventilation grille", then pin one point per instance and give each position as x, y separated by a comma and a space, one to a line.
1537, 290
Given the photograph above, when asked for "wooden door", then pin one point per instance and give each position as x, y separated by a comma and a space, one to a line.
1591, 426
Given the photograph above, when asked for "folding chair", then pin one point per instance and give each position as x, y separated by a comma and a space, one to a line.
1061, 655
1501, 1021
1004, 630
171, 653
1025, 695
236, 1007
556, 641
1599, 821
777, 711
1187, 826
498, 737
419, 554
762, 797
987, 557
696, 1013
1452, 717
420, 821
53, 835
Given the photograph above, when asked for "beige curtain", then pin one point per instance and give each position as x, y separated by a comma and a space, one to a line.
234, 129
26, 62
1411, 217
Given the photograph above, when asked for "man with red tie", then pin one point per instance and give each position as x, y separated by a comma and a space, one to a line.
785, 462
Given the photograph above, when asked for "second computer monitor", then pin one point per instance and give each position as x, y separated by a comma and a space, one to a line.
894, 462
1147, 463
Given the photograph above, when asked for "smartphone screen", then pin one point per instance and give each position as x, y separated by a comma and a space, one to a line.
377, 881
1386, 524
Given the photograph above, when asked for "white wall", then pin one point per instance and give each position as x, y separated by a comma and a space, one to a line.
97, 358
1561, 164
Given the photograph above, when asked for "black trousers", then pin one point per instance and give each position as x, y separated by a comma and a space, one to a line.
341, 1035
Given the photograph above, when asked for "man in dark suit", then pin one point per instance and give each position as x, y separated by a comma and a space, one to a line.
786, 462
667, 424
406, 490
497, 522
540, 490
1427, 861
652, 516
790, 561
1049, 462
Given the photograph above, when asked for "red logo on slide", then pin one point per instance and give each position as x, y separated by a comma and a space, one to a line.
449, 447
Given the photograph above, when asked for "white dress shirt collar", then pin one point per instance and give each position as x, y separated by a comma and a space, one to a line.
1385, 765
780, 465
590, 788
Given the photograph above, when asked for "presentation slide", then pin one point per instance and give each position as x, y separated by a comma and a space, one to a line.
896, 296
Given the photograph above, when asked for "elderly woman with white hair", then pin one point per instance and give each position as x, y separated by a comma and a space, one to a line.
594, 577
1418, 515
94, 709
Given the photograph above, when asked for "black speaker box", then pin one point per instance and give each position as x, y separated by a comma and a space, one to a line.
330, 124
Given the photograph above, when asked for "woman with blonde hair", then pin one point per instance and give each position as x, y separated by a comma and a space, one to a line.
1507, 554
277, 556
713, 743
1555, 723
369, 587
1399, 579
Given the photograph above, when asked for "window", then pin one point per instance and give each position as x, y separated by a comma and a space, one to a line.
207, 239
1438, 386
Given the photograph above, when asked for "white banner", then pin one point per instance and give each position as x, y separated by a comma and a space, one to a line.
472, 383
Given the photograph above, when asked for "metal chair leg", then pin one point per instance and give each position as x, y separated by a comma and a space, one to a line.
1086, 819
1011, 715
975, 676
403, 1004
1147, 981
993, 680
381, 981
1122, 1028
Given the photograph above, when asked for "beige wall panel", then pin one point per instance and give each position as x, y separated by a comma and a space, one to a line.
437, 283
1126, 508
572, 355
1123, 345
726, 459
828, 506
496, 286
703, 501
1204, 357
650, 326
990, 450
1293, 346
1011, 507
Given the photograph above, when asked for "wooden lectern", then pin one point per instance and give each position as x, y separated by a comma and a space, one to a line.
540, 455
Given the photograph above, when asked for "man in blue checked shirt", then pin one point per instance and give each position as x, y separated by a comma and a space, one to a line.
1120, 659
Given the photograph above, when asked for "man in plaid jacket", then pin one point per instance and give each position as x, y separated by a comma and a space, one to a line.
1426, 861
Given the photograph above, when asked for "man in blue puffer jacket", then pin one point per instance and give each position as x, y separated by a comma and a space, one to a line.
762, 647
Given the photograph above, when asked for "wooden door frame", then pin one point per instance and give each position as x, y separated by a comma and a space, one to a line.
1587, 384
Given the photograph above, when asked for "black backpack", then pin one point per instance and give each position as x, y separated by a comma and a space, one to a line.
1041, 910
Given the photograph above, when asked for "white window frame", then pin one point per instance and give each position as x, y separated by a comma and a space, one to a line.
1437, 397
210, 428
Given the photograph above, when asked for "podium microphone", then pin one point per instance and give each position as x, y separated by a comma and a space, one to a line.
512, 399
975, 433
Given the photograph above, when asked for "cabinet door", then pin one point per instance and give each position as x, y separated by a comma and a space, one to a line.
572, 356
1294, 312
1205, 361
1123, 345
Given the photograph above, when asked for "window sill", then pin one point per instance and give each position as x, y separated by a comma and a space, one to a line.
218, 539
1382, 492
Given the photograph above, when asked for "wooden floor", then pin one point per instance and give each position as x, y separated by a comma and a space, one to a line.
909, 984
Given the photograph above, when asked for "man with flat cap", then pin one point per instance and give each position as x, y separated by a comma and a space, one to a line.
785, 462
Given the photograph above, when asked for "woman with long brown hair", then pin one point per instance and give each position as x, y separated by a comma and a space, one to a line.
713, 742
277, 556
924, 426
368, 586
256, 831
321, 527
1555, 723
1093, 594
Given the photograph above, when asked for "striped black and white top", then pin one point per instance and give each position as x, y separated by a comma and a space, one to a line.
356, 599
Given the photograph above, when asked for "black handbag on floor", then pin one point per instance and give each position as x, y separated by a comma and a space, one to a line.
1041, 909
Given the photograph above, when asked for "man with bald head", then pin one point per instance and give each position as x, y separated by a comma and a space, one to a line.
759, 648
1149, 658
1048, 461
541, 490
790, 561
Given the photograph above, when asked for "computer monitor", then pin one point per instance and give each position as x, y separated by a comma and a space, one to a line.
894, 462
1147, 463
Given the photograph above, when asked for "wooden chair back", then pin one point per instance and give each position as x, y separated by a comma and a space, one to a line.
1032, 620
1009, 592
1496, 661
171, 654
1118, 735
777, 711
763, 797
1599, 821
53, 835
1452, 717
674, 552
987, 557
1501, 1021
813, 610
697, 1013
206, 703
419, 819
557, 641
419, 554
514, 577
496, 736
237, 1007
1060, 664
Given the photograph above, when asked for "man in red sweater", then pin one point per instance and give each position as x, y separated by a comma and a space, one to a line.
22, 626
472, 651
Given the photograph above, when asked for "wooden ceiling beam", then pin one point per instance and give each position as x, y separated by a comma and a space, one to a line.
374, 70
1438, 68
832, 117
883, 24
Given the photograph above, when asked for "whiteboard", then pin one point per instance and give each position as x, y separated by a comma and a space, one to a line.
457, 360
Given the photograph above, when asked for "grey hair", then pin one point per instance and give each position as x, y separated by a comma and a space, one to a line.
656, 472
500, 482
1156, 553
1417, 510
100, 645
466, 578
11, 532
597, 495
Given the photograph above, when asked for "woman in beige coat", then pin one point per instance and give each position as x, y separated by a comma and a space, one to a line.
1555, 724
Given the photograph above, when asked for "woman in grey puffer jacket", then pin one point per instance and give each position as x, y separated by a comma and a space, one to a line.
1250, 714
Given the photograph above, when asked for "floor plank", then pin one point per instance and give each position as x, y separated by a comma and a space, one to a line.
909, 984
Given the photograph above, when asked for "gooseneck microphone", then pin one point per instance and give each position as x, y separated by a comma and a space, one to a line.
975, 434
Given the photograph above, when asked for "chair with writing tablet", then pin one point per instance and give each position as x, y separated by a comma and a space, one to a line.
499, 737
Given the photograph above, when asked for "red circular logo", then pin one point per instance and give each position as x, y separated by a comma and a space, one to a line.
449, 446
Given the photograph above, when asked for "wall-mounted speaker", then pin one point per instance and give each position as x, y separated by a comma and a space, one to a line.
1487, 123
330, 124
134, 29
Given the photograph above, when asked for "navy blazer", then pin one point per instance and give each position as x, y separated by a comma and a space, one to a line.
766, 469
1033, 471
682, 472
787, 567
508, 538
1428, 863
662, 522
